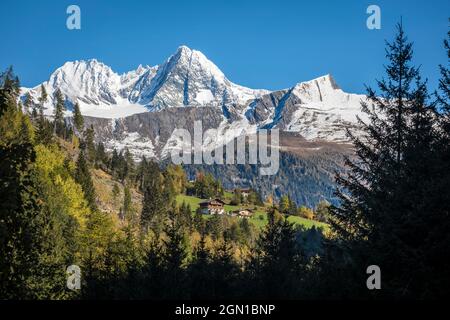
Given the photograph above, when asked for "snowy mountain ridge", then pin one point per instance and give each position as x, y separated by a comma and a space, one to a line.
317, 109
186, 79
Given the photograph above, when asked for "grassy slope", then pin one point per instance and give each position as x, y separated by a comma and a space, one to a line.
103, 183
259, 219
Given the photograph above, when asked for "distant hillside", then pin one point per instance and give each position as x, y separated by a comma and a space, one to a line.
306, 173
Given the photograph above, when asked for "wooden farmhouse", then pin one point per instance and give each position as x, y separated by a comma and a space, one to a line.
212, 206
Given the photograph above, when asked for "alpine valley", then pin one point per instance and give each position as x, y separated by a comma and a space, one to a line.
140, 109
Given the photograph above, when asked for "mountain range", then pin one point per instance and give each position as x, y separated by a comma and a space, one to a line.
140, 109
316, 109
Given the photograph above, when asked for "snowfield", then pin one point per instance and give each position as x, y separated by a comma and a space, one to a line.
112, 111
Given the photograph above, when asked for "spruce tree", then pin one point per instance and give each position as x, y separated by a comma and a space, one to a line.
155, 203
140, 173
44, 130
127, 205
438, 241
225, 271
88, 144
198, 222
174, 259
185, 217
59, 113
386, 198
78, 119
42, 100
200, 272
29, 105
83, 177
126, 166
278, 263
113, 164
102, 159
154, 271
10, 90
15, 126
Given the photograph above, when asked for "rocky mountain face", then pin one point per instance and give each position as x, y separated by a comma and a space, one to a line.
140, 109
189, 79
148, 134
316, 109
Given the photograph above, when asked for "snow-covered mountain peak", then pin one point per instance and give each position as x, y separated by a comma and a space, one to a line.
186, 79
327, 81
321, 89
189, 79
90, 81
141, 69
81, 66
195, 61
317, 109
183, 50
133, 75
198, 60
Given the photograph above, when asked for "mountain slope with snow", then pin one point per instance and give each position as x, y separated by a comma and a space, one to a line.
189, 79
186, 79
316, 109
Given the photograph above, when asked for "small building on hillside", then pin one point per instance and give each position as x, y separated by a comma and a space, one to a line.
212, 206
242, 213
245, 192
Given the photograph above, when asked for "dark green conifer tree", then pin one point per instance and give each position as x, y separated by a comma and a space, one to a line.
88, 144
10, 90
185, 217
140, 173
153, 271
83, 177
29, 105
59, 125
174, 259
389, 197
42, 100
78, 119
101, 160
225, 272
278, 263
200, 273
127, 206
155, 204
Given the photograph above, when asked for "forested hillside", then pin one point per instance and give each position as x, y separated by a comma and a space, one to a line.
307, 177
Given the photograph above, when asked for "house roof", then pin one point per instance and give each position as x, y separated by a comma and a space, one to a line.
212, 202
243, 212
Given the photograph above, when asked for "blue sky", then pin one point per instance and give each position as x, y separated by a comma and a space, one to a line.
261, 44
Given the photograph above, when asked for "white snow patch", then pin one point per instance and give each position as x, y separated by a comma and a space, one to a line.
204, 96
135, 143
112, 112
212, 138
